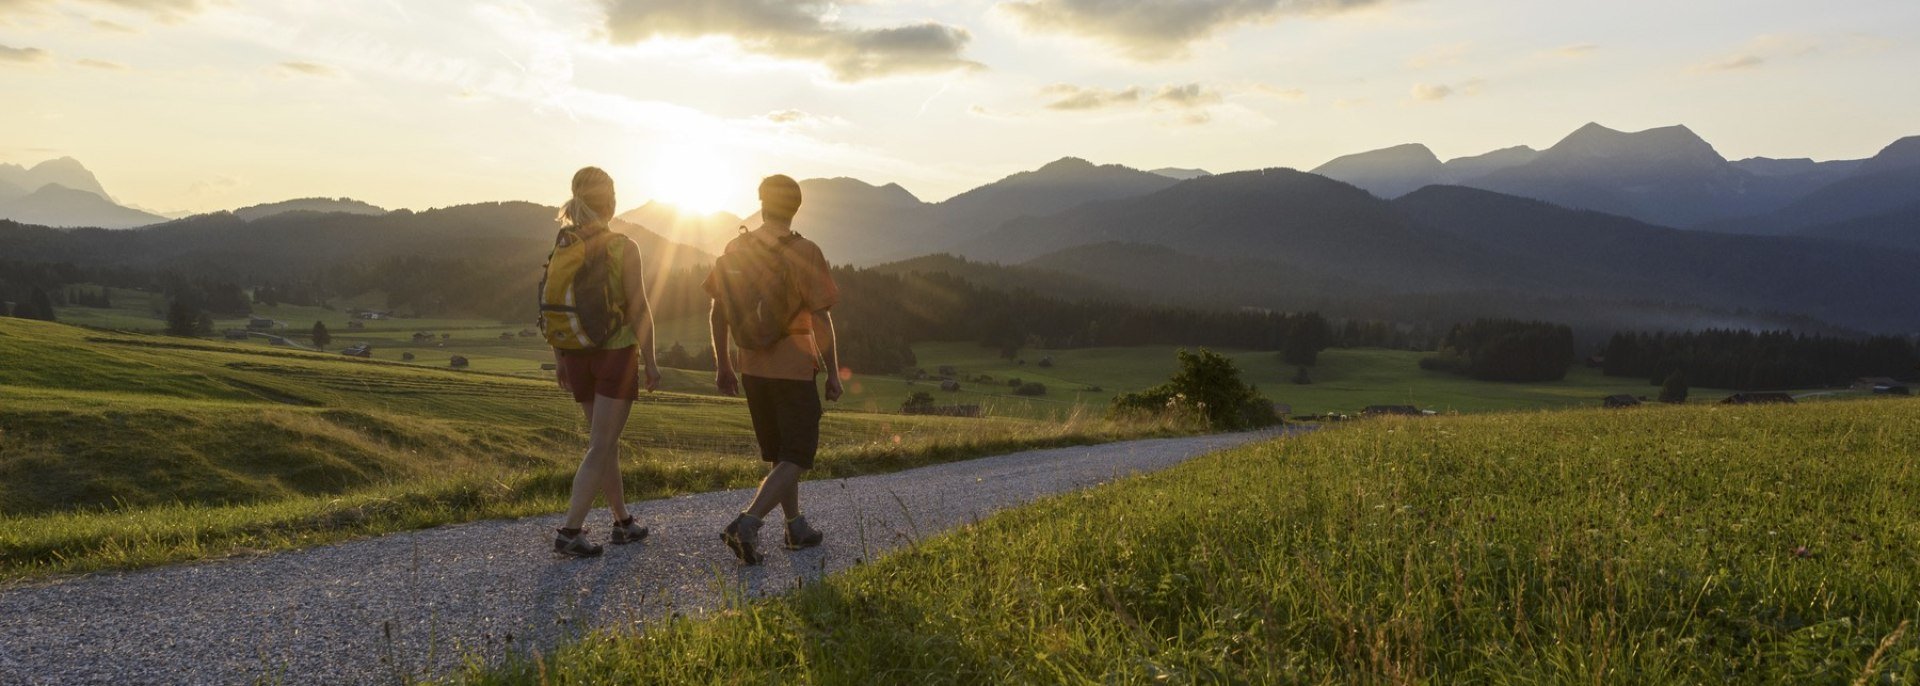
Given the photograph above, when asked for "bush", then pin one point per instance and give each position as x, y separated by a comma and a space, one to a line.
1031, 389
1208, 387
919, 402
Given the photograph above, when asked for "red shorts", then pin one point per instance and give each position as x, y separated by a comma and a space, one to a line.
607, 373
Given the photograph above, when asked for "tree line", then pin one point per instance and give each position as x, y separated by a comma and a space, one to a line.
1506, 350
1757, 361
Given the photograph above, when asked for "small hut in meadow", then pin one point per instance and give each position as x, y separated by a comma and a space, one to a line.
458, 362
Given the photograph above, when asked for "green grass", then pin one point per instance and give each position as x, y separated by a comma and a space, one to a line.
1659, 545
122, 450
1345, 381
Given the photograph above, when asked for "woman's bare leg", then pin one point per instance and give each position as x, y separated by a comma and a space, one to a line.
599, 472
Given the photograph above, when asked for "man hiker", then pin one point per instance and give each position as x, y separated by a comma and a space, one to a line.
771, 292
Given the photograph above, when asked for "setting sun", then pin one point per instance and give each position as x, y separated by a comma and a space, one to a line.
697, 179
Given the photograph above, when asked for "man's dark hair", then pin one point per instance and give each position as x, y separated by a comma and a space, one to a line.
779, 198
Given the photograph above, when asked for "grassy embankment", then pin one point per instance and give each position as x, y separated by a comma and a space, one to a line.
124, 450
1656, 545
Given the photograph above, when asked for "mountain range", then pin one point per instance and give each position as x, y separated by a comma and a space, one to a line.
1667, 176
1604, 228
62, 192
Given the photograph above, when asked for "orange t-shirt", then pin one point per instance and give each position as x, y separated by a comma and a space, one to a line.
797, 357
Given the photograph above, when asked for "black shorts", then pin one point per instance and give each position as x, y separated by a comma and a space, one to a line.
786, 418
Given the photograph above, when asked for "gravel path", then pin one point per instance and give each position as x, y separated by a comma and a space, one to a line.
418, 604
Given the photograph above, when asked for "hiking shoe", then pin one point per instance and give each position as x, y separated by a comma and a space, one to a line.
627, 531
741, 537
801, 536
575, 545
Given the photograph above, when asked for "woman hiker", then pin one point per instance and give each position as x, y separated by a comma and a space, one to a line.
593, 311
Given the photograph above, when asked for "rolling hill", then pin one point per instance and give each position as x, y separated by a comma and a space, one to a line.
1851, 285
315, 205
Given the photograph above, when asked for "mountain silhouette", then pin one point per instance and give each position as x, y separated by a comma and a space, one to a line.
316, 205
1179, 174
518, 234
1878, 188
1902, 155
1668, 176
709, 232
60, 206
64, 171
859, 223
62, 192
1388, 172
1846, 284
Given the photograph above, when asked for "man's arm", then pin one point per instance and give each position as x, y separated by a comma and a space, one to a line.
828, 341
723, 378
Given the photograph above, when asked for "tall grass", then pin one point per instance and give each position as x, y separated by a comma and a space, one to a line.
72, 541
1682, 545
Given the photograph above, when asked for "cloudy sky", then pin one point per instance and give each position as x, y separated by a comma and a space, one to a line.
207, 104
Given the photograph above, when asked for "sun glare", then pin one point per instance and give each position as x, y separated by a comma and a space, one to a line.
696, 180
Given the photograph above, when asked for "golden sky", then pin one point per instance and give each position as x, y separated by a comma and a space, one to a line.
200, 105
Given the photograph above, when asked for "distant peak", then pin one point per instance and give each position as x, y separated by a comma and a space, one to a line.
1594, 129
1067, 164
60, 163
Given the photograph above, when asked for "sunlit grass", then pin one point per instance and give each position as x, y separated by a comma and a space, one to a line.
1660, 545
120, 451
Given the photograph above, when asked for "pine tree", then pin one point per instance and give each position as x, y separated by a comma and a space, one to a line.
1675, 389
182, 316
42, 306
320, 336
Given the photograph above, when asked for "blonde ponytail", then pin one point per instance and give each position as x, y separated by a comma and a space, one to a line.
593, 200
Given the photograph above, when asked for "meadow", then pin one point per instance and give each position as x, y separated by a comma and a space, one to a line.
1706, 544
1079, 382
121, 450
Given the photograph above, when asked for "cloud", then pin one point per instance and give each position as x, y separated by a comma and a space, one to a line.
1763, 50
1427, 92
1189, 96
1436, 92
1575, 50
1272, 91
1151, 30
312, 69
1192, 96
112, 26
1074, 98
101, 64
798, 30
12, 55
799, 118
1732, 63
164, 10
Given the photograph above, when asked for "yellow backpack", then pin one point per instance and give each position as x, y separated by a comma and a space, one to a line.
582, 301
